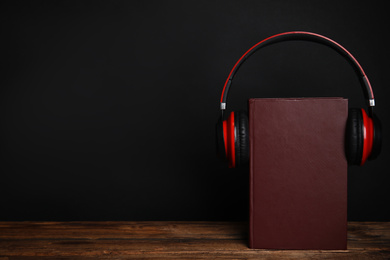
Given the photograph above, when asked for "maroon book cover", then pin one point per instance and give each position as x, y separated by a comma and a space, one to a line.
298, 173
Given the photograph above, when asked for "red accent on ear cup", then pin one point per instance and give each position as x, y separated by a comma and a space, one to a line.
233, 139
230, 138
368, 136
220, 139
225, 136
377, 139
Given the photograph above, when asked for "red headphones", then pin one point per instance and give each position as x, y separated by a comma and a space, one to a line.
363, 131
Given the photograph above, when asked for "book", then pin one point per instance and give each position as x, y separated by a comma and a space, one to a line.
298, 173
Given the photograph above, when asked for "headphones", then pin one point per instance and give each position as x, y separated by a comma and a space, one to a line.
363, 131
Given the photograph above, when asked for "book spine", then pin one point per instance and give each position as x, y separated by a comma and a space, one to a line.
251, 173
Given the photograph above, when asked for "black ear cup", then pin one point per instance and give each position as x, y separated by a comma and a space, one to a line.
242, 138
354, 137
377, 142
232, 136
363, 137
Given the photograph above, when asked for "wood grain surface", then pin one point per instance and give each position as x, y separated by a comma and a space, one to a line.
169, 240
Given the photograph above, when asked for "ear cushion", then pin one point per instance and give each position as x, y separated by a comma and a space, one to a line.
242, 138
354, 137
377, 142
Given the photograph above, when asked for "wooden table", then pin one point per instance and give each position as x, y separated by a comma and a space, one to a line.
169, 240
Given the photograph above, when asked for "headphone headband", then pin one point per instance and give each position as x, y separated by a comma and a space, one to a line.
305, 36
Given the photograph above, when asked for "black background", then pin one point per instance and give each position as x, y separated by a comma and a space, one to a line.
108, 108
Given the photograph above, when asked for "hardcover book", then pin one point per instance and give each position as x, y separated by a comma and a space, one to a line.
298, 173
